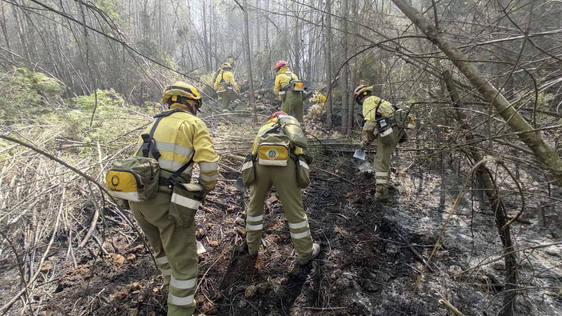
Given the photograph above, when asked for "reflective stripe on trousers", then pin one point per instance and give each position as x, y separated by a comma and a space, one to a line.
254, 223
299, 230
381, 177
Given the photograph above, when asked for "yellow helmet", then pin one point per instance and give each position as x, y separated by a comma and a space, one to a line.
180, 91
226, 66
361, 91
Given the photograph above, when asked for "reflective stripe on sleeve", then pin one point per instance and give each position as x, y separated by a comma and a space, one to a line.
254, 218
181, 301
303, 164
298, 225
208, 166
381, 181
381, 174
162, 260
175, 148
300, 235
185, 201
247, 165
254, 227
182, 284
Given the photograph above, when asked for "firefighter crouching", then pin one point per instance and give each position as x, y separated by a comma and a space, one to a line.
225, 85
289, 89
168, 219
386, 123
277, 160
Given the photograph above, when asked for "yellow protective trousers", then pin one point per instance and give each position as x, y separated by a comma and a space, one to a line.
173, 242
291, 104
381, 164
285, 181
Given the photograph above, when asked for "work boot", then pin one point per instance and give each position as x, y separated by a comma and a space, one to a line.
252, 252
244, 249
313, 254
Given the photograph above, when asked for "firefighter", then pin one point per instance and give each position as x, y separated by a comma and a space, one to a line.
168, 219
225, 86
379, 124
276, 165
289, 89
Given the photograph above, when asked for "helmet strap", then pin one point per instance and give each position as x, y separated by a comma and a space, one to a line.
191, 105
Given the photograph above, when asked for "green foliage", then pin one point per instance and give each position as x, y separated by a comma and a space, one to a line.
109, 120
110, 8
26, 94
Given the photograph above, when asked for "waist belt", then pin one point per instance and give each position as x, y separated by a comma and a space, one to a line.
164, 182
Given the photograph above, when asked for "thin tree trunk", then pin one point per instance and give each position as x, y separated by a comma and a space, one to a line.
345, 74
328, 63
248, 53
4, 28
542, 151
205, 40
485, 177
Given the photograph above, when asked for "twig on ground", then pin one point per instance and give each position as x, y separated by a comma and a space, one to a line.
450, 307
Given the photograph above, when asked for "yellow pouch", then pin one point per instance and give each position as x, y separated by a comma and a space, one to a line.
123, 184
133, 179
298, 86
273, 155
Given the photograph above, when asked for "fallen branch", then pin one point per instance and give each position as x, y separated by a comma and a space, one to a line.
450, 307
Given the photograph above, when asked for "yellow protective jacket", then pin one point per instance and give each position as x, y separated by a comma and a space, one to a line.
225, 77
182, 135
370, 105
267, 126
282, 78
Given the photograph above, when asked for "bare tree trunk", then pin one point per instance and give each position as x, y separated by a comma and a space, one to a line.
353, 71
248, 53
268, 73
205, 40
328, 62
345, 82
485, 177
297, 42
542, 151
4, 28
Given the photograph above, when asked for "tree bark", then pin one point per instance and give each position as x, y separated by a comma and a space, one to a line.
328, 62
490, 189
248, 53
544, 153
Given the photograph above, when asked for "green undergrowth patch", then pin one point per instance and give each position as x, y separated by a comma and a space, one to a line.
75, 129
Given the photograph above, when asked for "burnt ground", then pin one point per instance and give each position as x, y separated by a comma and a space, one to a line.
371, 254
368, 264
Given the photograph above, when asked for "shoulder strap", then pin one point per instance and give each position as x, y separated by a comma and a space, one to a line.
377, 106
148, 142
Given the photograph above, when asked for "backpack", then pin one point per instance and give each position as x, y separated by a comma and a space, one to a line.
137, 178
276, 144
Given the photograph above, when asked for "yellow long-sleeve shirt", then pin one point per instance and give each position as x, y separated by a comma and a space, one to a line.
370, 108
225, 76
282, 78
180, 136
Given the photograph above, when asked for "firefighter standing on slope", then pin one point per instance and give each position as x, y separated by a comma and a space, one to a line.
278, 162
168, 219
380, 123
289, 89
225, 86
